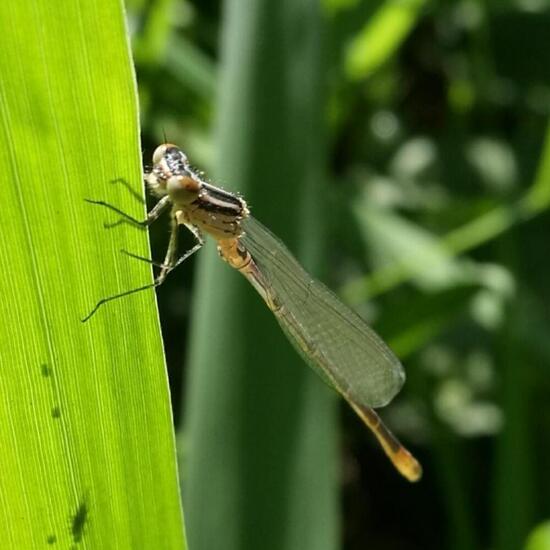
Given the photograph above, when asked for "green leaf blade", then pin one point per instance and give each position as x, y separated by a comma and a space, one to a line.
88, 450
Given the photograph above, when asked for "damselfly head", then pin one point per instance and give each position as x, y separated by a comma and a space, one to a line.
171, 154
171, 171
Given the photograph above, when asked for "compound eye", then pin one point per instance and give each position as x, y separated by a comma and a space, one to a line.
178, 184
174, 184
159, 153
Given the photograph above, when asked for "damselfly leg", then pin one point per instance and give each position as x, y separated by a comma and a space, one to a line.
152, 216
171, 260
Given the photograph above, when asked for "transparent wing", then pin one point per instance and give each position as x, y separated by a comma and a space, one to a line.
332, 338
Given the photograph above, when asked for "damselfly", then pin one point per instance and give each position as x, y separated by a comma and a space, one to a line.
333, 339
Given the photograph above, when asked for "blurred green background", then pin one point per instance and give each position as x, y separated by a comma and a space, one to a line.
401, 149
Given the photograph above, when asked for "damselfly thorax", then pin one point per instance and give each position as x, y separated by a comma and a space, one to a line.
195, 202
202, 207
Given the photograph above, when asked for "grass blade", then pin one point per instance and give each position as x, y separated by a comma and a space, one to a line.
87, 441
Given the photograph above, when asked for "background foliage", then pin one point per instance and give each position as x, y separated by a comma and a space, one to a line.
429, 121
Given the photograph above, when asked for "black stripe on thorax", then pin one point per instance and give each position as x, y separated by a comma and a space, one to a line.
216, 200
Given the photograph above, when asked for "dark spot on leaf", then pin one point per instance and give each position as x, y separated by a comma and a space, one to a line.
56, 412
46, 371
79, 521
52, 539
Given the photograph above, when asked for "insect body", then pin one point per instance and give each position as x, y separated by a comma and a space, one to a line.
332, 338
